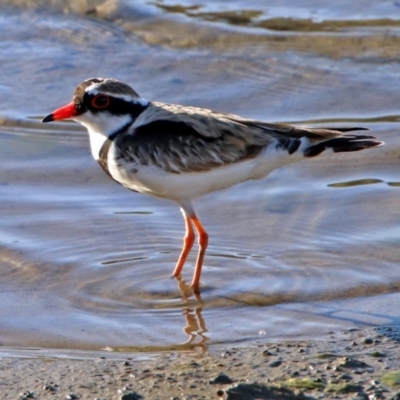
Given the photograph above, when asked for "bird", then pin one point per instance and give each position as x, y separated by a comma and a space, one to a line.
179, 152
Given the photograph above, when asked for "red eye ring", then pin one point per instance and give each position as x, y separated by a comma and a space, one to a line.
100, 101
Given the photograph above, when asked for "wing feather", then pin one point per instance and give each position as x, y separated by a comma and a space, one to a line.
188, 139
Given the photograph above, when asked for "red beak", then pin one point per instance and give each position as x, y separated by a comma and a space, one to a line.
65, 112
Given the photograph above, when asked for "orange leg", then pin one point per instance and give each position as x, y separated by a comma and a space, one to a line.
188, 241
203, 242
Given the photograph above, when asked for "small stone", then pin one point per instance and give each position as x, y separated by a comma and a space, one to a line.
368, 340
347, 362
27, 395
220, 379
267, 353
376, 396
377, 354
50, 387
360, 396
246, 391
356, 372
131, 396
194, 364
275, 364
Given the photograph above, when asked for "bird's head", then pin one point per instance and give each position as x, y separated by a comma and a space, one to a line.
101, 105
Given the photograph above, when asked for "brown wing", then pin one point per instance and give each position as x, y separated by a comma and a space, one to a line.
177, 147
210, 123
184, 139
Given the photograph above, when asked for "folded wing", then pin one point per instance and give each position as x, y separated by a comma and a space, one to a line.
187, 139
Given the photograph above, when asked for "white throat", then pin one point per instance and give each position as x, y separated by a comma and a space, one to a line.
101, 126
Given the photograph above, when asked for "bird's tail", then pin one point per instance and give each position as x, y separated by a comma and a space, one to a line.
342, 144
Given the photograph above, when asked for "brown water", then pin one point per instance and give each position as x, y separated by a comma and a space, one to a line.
314, 247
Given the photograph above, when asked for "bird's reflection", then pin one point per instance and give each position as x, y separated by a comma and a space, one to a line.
191, 305
195, 325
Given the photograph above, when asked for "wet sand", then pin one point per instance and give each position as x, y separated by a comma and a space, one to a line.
312, 248
352, 364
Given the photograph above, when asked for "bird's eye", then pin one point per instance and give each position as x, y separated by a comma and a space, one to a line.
100, 101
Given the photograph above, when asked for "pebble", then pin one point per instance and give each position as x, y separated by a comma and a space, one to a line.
275, 364
360, 396
348, 362
220, 379
27, 395
346, 377
131, 396
246, 391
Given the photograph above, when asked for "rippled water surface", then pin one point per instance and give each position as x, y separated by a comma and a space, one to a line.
314, 247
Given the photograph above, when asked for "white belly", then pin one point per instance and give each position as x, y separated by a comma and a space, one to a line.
155, 181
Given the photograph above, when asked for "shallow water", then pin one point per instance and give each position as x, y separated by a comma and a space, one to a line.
85, 264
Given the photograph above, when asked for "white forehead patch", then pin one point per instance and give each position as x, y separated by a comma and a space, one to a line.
93, 88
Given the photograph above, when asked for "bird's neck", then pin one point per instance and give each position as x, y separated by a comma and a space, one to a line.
105, 126
107, 129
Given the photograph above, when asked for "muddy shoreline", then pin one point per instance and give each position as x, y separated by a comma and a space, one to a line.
353, 364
